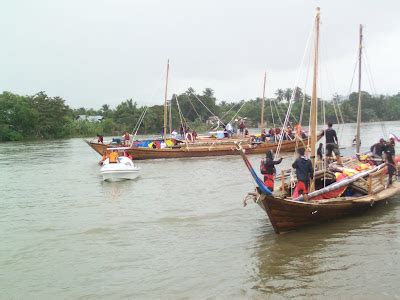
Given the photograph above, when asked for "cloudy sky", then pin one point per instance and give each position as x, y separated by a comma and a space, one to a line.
92, 52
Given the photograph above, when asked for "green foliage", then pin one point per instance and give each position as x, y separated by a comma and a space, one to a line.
43, 117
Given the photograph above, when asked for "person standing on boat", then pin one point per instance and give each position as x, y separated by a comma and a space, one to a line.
378, 149
100, 139
304, 174
242, 126
331, 143
263, 136
267, 168
390, 159
174, 134
194, 135
126, 137
229, 129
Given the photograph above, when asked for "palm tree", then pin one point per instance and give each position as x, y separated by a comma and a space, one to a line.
298, 95
279, 95
288, 94
208, 92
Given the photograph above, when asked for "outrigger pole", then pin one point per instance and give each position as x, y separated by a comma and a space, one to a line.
165, 104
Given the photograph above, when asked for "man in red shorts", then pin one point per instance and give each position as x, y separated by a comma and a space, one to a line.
304, 173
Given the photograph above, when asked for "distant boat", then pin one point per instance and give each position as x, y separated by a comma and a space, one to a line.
218, 143
201, 150
124, 169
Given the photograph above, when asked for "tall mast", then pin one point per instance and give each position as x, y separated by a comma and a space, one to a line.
165, 103
262, 102
170, 116
358, 140
314, 99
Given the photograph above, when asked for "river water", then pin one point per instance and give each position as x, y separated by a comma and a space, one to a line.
178, 231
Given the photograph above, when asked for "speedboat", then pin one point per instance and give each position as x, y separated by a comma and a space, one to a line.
124, 169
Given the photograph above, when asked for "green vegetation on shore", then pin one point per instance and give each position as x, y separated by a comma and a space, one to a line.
42, 117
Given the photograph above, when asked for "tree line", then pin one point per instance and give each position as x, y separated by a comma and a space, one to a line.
40, 116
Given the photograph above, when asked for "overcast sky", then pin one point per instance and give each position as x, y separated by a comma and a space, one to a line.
92, 52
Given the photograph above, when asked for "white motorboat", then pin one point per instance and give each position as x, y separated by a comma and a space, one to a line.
122, 170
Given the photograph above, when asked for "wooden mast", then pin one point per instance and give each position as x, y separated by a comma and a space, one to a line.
170, 117
358, 139
314, 97
165, 104
262, 103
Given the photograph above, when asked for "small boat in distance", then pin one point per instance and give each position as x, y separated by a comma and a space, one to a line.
124, 169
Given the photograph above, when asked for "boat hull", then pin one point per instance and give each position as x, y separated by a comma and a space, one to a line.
197, 151
287, 215
119, 175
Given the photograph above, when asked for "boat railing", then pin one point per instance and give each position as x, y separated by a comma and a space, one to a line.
376, 181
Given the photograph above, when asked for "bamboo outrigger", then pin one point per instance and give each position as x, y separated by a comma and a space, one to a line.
365, 189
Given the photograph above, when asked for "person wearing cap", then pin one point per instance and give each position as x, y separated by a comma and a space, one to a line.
304, 174
267, 168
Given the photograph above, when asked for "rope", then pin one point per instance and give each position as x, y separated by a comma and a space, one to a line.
182, 121
226, 113
190, 101
139, 122
297, 80
272, 112
207, 108
278, 113
244, 102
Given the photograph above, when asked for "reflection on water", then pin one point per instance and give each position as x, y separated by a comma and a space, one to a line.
178, 231
331, 259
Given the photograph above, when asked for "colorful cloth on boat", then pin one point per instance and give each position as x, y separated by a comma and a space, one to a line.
335, 193
300, 189
269, 181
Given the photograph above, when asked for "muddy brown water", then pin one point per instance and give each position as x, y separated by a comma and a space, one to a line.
178, 231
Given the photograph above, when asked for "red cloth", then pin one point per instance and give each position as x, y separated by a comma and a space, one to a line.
335, 193
269, 181
301, 188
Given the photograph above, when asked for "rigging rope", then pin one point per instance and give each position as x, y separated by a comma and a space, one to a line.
244, 102
272, 112
207, 108
183, 122
296, 84
190, 101
136, 129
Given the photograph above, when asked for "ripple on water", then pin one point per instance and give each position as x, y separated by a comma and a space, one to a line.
179, 231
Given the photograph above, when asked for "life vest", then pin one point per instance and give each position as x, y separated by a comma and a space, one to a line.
113, 157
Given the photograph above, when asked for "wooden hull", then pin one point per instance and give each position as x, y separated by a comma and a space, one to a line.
196, 151
286, 215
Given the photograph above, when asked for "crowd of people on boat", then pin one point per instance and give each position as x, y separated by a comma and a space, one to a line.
113, 156
380, 152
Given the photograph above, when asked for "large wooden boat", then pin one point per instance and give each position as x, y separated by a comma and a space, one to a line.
340, 190
286, 213
193, 150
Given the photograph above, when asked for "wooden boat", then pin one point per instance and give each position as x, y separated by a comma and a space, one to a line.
198, 151
337, 198
286, 213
